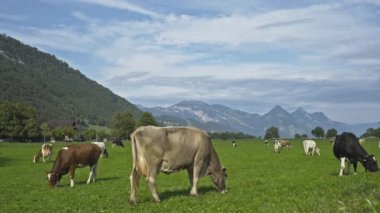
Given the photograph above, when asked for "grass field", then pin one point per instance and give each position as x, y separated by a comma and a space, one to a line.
258, 181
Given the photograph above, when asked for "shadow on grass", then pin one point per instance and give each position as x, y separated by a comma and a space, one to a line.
84, 182
107, 179
4, 161
184, 192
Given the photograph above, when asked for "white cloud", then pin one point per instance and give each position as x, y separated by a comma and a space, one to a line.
270, 56
123, 5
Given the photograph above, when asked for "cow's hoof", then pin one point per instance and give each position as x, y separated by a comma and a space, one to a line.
156, 200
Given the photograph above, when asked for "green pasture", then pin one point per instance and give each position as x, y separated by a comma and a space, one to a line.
258, 181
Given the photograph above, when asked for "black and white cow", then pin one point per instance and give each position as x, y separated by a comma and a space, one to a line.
117, 142
347, 147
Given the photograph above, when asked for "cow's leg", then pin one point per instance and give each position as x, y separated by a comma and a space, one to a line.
92, 174
342, 165
190, 174
43, 159
355, 163
196, 173
134, 179
72, 173
152, 173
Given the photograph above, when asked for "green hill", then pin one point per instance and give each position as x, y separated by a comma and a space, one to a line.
55, 89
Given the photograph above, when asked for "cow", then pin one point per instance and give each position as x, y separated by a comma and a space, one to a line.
71, 157
285, 143
102, 146
347, 148
234, 144
362, 141
171, 149
310, 147
266, 143
117, 142
46, 151
277, 146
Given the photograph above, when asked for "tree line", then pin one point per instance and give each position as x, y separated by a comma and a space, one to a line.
319, 132
19, 122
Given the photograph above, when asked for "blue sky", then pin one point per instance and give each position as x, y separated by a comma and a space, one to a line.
249, 55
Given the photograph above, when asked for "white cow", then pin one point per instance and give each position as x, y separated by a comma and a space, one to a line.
277, 146
310, 147
102, 146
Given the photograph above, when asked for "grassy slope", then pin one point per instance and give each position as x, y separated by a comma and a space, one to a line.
258, 181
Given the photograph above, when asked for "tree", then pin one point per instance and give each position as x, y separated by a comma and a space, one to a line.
146, 119
331, 133
122, 124
45, 131
318, 132
89, 134
371, 132
272, 132
18, 120
62, 131
298, 136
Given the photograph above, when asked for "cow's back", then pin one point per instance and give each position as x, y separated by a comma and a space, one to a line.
347, 145
174, 147
87, 153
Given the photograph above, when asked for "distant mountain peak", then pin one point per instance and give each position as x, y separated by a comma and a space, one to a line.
190, 103
277, 110
300, 110
320, 116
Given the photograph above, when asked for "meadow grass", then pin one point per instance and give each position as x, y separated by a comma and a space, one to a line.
258, 181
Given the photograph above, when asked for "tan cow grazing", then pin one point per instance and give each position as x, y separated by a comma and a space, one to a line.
285, 143
46, 151
171, 149
71, 157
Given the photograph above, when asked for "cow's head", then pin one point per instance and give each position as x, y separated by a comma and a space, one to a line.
219, 180
53, 178
317, 150
370, 163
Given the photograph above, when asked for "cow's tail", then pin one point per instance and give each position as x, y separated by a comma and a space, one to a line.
134, 150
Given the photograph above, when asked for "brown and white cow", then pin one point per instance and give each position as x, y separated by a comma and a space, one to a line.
102, 146
46, 151
171, 149
285, 143
71, 157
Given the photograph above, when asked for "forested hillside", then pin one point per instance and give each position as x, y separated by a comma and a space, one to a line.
53, 87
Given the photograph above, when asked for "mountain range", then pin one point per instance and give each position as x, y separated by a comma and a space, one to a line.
58, 91
219, 118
